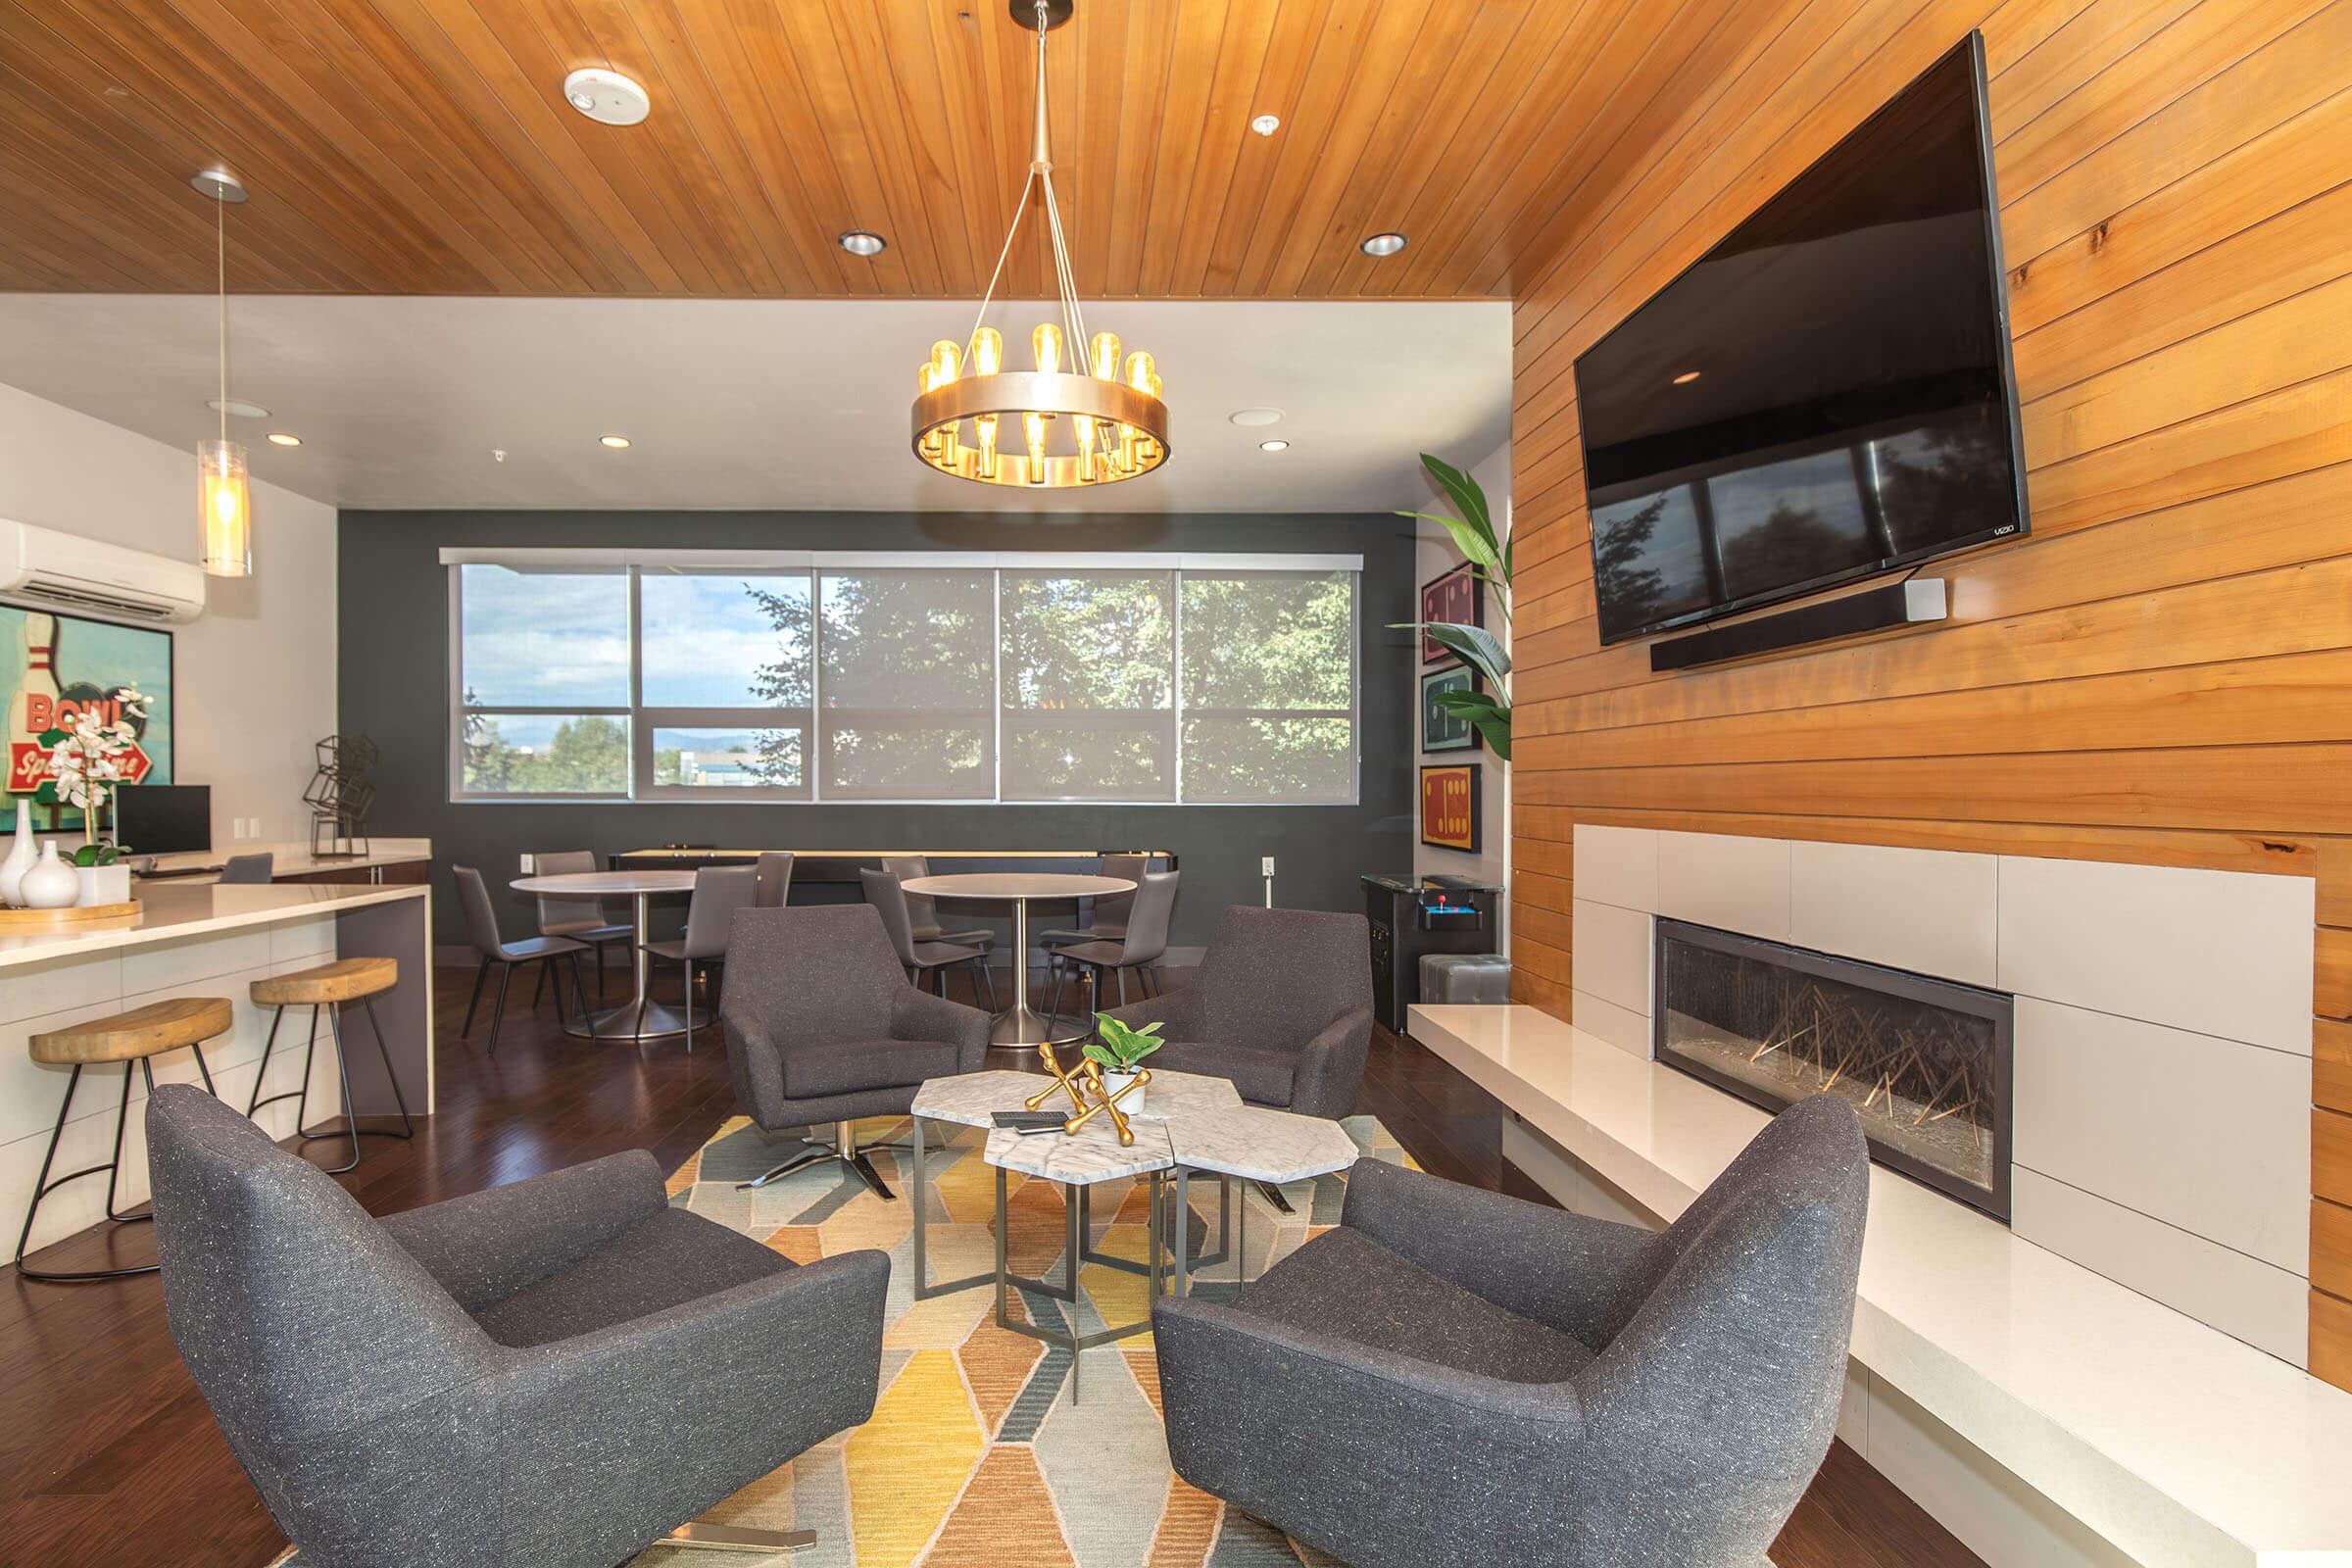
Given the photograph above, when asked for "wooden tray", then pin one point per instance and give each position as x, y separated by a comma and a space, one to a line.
18, 923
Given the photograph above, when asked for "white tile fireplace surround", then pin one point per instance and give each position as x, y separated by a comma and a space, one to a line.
2162, 1090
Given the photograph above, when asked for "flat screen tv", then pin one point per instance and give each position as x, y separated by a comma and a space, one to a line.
1826, 394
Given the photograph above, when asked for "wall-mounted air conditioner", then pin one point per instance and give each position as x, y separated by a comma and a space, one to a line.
49, 568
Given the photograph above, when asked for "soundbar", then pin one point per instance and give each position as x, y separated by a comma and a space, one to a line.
1899, 604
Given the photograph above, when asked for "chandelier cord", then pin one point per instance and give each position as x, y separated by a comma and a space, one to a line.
1011, 233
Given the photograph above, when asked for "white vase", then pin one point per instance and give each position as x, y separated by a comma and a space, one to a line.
102, 884
21, 857
51, 883
1133, 1103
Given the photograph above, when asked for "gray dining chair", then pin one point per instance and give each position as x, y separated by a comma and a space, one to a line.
555, 1373
921, 957
1145, 944
1592, 1394
775, 879
581, 917
922, 911
1108, 920
482, 929
246, 869
719, 892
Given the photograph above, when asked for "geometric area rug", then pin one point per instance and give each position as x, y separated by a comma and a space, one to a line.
977, 1455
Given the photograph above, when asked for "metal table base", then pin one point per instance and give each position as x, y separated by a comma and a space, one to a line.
1075, 1205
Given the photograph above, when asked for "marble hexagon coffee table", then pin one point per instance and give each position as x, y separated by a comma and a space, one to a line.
1078, 1160
1252, 1144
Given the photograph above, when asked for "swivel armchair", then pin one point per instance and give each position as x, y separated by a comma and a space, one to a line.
1588, 1394
822, 1026
1282, 1006
553, 1374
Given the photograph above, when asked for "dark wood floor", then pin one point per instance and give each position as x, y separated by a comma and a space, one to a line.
109, 1458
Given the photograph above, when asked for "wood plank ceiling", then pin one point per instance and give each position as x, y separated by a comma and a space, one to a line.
425, 147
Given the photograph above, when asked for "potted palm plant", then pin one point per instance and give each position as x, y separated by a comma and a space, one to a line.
1118, 1052
1489, 557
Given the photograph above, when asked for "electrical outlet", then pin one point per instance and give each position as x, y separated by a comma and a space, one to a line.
530, 865
1266, 867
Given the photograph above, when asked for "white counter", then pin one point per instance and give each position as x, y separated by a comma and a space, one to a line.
2168, 1438
294, 859
203, 939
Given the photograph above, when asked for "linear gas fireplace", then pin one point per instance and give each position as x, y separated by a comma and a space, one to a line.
1923, 1061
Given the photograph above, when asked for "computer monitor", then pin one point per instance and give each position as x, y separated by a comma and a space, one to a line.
165, 818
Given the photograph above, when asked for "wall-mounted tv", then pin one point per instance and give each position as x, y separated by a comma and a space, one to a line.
1824, 395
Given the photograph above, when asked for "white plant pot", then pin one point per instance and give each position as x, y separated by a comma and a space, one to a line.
103, 884
1130, 1105
51, 883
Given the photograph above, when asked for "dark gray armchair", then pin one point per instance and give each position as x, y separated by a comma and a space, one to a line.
1457, 1376
544, 1375
822, 1026
1282, 1006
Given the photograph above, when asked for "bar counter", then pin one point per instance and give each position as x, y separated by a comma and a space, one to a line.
192, 940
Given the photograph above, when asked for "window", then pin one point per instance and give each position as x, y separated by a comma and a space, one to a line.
543, 681
649, 675
1269, 686
1087, 680
725, 688
904, 656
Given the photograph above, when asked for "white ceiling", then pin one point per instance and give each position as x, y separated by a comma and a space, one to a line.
797, 405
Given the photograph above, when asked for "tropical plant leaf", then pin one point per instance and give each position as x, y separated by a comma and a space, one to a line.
87, 854
1477, 647
1467, 496
1476, 547
1496, 728
1468, 702
1101, 1055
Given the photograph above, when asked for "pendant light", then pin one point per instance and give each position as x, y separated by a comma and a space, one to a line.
1085, 416
224, 502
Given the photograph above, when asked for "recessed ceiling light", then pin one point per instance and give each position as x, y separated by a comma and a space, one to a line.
1251, 419
863, 242
1685, 379
607, 97
1388, 244
615, 442
1273, 446
1266, 124
238, 407
284, 438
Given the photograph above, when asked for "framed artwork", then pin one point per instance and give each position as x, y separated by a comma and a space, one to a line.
1441, 728
62, 665
1452, 597
1449, 807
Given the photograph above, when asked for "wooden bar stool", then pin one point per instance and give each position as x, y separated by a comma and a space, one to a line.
326, 988
139, 1035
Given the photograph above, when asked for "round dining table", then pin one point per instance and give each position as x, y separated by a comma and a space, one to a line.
641, 1017
1017, 1025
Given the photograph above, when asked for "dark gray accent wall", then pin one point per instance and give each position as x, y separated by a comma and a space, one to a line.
393, 617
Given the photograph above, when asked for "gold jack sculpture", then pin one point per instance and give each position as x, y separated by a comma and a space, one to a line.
1078, 1083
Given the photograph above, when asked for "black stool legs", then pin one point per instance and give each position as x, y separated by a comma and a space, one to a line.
302, 1096
42, 1186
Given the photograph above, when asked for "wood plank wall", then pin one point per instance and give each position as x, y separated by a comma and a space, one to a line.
2163, 671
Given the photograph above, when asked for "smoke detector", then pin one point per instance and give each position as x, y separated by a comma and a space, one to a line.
607, 97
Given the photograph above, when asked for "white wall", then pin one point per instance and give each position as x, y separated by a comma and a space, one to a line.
1434, 552
254, 679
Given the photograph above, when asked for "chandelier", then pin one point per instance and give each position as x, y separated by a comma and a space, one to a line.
1083, 415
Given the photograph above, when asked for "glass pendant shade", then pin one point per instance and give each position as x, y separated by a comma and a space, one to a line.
224, 508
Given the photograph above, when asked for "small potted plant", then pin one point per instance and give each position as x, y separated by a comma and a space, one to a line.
88, 759
1119, 1052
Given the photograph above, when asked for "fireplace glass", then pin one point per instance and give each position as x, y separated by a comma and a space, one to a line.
1924, 1063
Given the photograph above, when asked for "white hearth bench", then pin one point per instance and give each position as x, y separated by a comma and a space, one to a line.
2127, 1432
